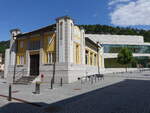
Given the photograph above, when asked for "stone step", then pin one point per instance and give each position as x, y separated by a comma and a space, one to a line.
25, 80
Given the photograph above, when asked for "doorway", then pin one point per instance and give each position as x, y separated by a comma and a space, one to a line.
34, 65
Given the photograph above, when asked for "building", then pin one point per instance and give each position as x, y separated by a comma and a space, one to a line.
57, 51
1, 62
112, 44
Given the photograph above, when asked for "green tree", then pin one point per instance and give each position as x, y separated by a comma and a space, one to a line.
125, 57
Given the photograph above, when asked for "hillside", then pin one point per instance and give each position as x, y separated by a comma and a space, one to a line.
4, 45
103, 29
100, 29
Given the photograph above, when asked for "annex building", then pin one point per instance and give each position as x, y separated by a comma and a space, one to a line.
63, 50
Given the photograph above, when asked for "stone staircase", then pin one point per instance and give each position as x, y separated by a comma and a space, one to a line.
25, 80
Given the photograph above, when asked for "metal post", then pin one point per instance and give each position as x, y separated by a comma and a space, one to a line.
10, 95
95, 78
86, 76
91, 79
37, 88
14, 74
61, 82
51, 84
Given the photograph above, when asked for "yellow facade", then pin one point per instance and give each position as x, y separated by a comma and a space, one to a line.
92, 58
77, 53
47, 47
21, 51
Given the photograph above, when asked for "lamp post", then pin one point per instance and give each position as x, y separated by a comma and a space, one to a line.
16, 49
53, 77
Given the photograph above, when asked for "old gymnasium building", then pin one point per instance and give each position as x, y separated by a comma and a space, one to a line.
60, 51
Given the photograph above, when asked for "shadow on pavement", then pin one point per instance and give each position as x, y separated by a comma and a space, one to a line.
128, 96
21, 108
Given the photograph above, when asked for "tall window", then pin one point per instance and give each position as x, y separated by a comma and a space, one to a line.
91, 58
21, 44
21, 60
86, 57
50, 39
50, 57
34, 45
77, 54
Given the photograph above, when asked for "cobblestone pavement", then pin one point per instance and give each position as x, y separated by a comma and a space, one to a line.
126, 94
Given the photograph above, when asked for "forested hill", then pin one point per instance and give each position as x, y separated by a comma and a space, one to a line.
103, 29
4, 45
100, 29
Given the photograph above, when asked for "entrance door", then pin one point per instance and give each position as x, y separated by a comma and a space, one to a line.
34, 65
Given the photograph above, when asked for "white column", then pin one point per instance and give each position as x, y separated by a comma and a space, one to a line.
82, 46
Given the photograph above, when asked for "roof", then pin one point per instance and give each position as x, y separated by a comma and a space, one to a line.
92, 42
44, 29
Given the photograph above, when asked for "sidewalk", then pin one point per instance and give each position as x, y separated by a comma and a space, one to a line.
49, 96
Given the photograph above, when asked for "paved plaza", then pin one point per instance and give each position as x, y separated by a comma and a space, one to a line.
121, 93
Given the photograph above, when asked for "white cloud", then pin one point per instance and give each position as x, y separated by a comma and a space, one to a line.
135, 12
112, 2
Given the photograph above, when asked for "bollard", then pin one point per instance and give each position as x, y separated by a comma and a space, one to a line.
61, 82
86, 79
51, 84
37, 88
91, 80
10, 95
81, 81
95, 79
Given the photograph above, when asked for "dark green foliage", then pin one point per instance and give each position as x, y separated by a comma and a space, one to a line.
103, 29
134, 62
4, 45
125, 56
112, 63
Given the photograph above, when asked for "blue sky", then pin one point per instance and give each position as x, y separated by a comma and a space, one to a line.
32, 14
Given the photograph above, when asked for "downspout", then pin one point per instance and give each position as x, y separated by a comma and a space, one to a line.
98, 58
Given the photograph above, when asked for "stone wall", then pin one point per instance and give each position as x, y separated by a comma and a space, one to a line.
116, 39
